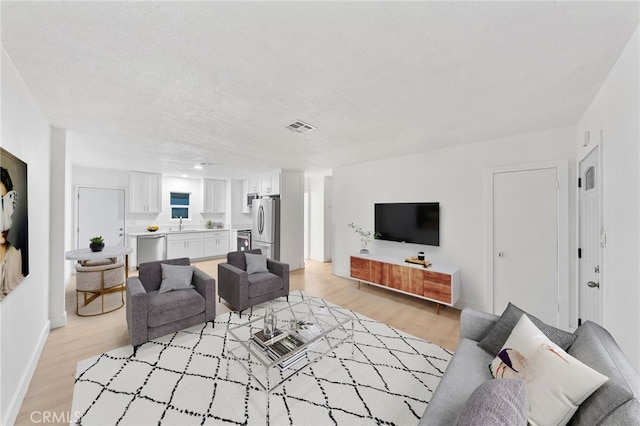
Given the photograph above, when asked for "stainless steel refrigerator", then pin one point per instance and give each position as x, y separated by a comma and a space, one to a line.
265, 226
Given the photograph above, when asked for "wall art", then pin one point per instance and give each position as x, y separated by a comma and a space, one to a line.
14, 226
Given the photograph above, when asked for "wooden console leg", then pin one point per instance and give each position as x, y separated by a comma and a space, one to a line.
358, 285
437, 309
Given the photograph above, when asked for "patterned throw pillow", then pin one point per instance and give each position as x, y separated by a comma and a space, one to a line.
556, 382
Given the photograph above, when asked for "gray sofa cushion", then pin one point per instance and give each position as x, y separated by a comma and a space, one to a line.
175, 277
256, 263
494, 340
468, 369
497, 402
150, 273
165, 308
263, 283
237, 258
596, 348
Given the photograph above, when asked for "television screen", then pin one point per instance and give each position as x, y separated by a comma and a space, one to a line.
417, 223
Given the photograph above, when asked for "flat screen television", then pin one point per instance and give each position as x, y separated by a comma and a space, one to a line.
417, 223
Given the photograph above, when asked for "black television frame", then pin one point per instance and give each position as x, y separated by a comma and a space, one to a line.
404, 222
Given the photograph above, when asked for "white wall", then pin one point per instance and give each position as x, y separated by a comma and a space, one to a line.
58, 206
615, 111
236, 200
318, 189
193, 186
292, 218
24, 313
135, 222
455, 178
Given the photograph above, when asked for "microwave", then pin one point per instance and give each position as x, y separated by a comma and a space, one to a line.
250, 198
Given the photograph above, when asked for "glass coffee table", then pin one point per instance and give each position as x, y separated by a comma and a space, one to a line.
306, 331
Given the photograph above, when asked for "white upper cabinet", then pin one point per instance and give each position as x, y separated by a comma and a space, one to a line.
270, 184
145, 192
215, 196
253, 185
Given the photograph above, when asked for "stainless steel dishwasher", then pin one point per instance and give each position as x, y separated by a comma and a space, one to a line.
151, 247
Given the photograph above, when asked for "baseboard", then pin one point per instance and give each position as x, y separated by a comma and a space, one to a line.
16, 402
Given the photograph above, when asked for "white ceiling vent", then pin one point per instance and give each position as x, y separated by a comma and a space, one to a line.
300, 127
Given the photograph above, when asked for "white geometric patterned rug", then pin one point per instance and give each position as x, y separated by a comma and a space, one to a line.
186, 378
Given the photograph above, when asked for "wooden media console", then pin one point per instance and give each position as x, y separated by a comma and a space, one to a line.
440, 284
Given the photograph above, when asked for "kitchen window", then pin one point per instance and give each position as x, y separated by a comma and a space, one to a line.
180, 203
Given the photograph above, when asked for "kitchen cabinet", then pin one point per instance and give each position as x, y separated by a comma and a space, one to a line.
145, 192
215, 196
270, 184
253, 185
189, 245
216, 243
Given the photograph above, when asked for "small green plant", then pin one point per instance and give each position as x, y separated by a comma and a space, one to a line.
365, 236
97, 240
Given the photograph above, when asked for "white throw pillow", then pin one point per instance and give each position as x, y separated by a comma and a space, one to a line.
175, 277
256, 263
557, 383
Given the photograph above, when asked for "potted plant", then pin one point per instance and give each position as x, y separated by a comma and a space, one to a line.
365, 236
97, 243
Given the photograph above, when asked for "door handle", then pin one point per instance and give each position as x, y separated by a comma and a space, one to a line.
591, 284
500, 254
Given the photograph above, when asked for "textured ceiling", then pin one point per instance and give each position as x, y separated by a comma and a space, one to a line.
160, 86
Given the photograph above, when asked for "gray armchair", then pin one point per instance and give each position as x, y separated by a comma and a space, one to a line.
243, 290
151, 314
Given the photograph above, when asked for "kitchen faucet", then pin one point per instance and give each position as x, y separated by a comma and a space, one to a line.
180, 227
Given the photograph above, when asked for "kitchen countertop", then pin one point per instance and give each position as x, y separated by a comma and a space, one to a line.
167, 232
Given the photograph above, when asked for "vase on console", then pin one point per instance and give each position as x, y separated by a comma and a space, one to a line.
365, 236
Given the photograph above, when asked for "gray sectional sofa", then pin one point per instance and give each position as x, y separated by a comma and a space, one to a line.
615, 403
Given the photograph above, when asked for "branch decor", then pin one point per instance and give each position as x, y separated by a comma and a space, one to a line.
365, 236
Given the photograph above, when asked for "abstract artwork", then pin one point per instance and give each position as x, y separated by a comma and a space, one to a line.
14, 232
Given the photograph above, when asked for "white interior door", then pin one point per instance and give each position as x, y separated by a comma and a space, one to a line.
101, 212
590, 283
525, 242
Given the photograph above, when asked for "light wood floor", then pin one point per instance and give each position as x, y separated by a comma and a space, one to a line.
51, 389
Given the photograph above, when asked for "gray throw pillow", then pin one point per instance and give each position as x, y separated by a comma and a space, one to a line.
493, 342
497, 402
175, 277
256, 263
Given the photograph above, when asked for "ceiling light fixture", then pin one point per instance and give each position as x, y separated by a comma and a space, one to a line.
299, 126
202, 164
